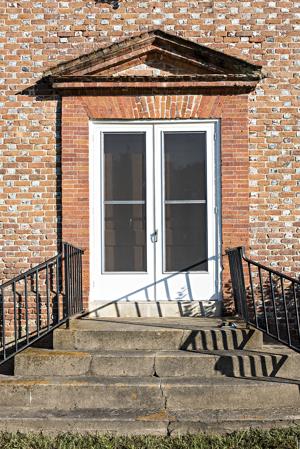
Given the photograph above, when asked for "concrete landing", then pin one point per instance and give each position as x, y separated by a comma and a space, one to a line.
165, 309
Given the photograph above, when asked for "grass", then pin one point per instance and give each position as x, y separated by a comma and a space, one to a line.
250, 439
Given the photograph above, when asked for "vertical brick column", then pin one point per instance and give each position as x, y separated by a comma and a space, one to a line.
75, 180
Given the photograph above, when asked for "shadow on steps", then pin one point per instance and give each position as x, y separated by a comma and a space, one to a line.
220, 339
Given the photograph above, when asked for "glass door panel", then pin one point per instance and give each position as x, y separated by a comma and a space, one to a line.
125, 202
125, 166
185, 165
185, 235
185, 204
125, 239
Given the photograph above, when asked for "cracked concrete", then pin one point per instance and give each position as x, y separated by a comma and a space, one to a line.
171, 418
271, 362
159, 377
154, 366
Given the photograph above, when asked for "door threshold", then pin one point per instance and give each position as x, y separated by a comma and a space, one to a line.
151, 309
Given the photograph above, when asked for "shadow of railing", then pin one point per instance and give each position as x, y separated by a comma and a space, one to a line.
217, 339
251, 365
184, 296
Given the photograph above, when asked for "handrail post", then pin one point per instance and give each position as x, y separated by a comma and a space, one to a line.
67, 274
80, 281
3, 334
235, 256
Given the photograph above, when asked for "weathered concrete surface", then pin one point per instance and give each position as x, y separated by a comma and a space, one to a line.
271, 362
166, 309
143, 421
138, 392
226, 392
115, 340
119, 421
154, 334
141, 323
265, 362
150, 376
124, 363
81, 392
48, 362
225, 421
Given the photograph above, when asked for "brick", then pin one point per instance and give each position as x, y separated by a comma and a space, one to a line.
30, 126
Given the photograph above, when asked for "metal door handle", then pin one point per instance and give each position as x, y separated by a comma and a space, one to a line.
154, 236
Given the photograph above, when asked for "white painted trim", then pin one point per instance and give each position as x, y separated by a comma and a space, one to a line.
96, 204
218, 209
209, 127
94, 186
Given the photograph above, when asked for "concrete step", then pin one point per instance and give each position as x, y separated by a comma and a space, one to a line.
80, 392
50, 362
269, 362
134, 392
225, 392
226, 421
143, 421
150, 334
118, 421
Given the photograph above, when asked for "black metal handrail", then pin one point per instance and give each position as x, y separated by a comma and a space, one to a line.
37, 301
265, 298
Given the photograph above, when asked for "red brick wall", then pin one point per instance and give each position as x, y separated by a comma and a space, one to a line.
37, 35
233, 112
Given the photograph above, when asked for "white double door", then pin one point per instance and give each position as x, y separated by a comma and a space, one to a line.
154, 223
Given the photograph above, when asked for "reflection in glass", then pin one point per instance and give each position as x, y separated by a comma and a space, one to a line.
186, 237
185, 165
185, 201
125, 167
125, 237
125, 202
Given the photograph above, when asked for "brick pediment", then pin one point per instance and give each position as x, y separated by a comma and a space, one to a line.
153, 57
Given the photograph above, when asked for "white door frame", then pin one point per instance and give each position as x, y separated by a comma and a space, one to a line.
213, 127
124, 282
